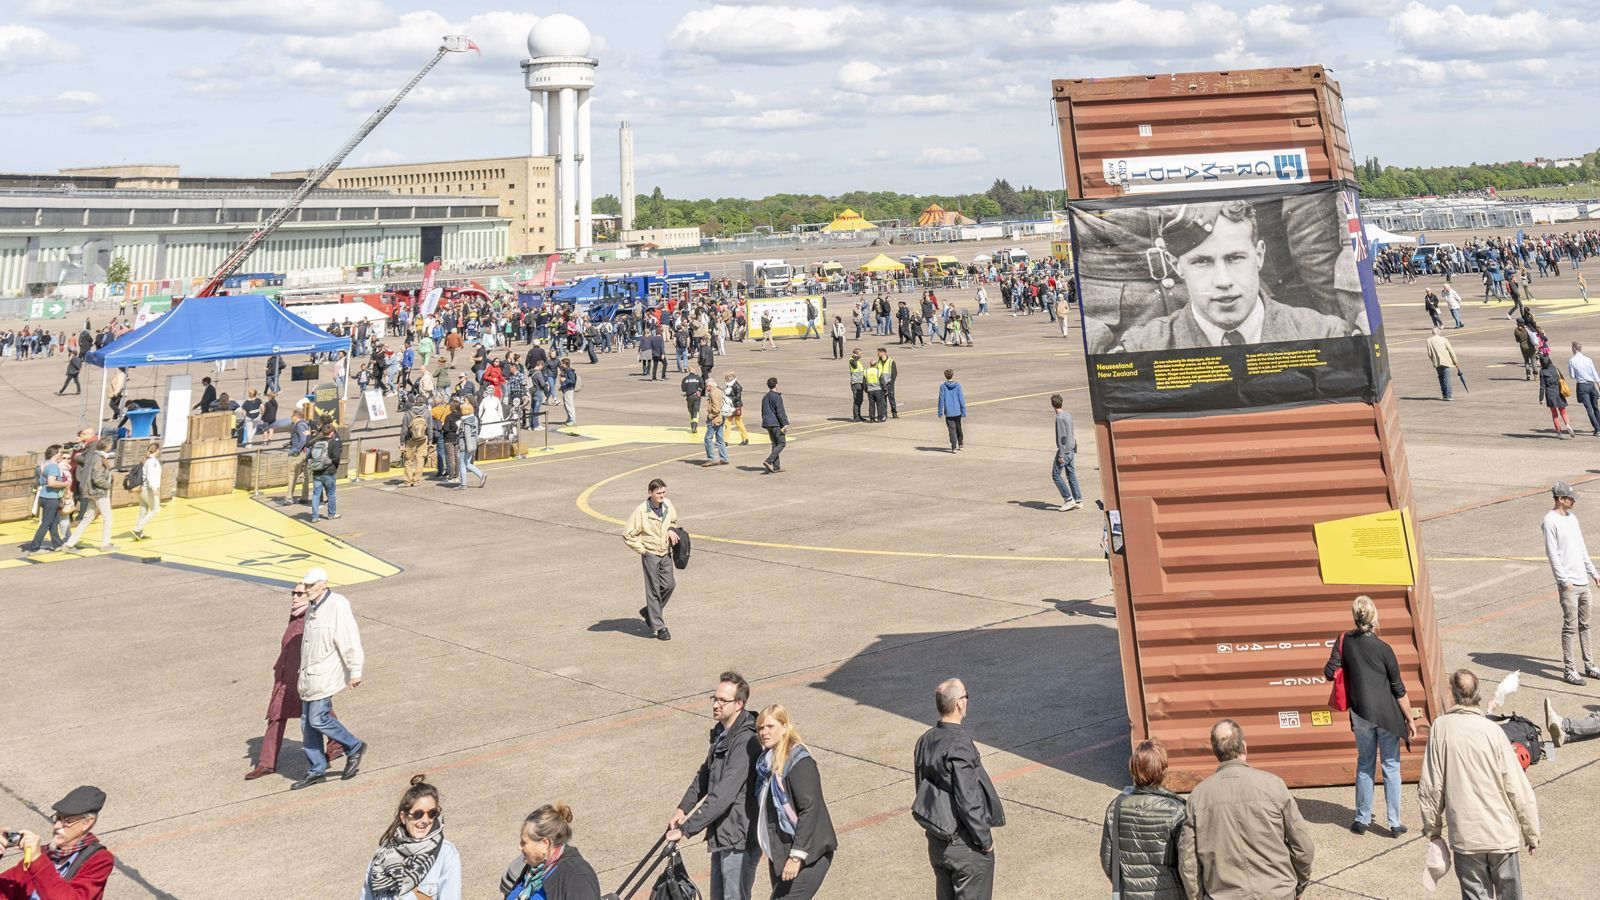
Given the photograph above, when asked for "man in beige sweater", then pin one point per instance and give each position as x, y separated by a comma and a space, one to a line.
1473, 783
649, 534
1443, 357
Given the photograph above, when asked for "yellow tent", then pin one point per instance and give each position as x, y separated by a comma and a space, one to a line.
936, 216
849, 220
882, 263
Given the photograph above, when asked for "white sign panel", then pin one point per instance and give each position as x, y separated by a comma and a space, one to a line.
1203, 171
377, 410
175, 410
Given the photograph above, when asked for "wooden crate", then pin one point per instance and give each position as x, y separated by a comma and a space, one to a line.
266, 469
211, 426
196, 489
497, 449
207, 468
15, 509
19, 464
131, 451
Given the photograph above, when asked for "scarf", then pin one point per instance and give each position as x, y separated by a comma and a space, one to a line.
59, 855
534, 877
398, 867
781, 802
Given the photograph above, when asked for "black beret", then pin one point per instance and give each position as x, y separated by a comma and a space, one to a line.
82, 801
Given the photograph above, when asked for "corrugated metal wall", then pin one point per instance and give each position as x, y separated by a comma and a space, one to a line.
1223, 611
1200, 113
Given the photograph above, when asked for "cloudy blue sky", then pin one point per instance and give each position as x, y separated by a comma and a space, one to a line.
748, 98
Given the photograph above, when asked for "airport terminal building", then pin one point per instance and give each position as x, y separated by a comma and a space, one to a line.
167, 226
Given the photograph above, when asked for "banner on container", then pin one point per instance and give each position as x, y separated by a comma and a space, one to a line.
151, 309
48, 308
1244, 300
788, 314
1371, 549
1207, 171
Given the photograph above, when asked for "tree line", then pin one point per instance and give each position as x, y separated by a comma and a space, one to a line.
783, 212
1389, 182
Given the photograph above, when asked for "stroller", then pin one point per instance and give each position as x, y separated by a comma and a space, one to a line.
672, 884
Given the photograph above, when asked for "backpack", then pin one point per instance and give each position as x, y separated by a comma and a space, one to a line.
1524, 737
577, 382
321, 457
134, 479
469, 433
417, 430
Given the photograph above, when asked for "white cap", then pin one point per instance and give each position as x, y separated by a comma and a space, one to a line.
314, 576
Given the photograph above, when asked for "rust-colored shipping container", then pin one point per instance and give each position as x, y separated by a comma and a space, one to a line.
1221, 605
1205, 116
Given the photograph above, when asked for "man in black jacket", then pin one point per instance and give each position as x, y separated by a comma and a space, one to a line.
956, 803
776, 422
723, 782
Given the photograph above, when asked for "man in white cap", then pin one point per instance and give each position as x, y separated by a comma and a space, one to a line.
330, 660
1574, 572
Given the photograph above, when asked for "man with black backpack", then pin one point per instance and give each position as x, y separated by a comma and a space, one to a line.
322, 460
74, 864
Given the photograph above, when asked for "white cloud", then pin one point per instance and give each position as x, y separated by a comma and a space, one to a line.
656, 162
1360, 105
1278, 25
408, 41
103, 124
249, 16
21, 45
746, 159
382, 156
1452, 32
950, 156
1120, 26
862, 77
79, 98
766, 120
473, 95
768, 34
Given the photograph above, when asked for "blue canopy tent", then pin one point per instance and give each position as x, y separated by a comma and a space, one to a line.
201, 329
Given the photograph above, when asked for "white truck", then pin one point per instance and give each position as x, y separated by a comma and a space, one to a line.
768, 274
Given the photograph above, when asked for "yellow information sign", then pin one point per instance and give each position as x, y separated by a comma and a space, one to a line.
1378, 548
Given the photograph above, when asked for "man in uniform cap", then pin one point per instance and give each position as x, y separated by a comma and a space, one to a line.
73, 866
1219, 253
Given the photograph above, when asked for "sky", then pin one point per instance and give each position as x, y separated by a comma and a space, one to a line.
748, 98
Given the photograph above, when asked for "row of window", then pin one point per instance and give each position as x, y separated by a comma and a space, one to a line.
421, 178
121, 218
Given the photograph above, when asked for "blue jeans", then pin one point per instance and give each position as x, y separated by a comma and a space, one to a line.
1069, 486
1444, 380
1372, 742
1456, 314
1590, 398
714, 438
733, 874
464, 465
323, 485
316, 718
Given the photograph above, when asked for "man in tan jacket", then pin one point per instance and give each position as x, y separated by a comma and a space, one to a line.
1472, 782
649, 534
1245, 837
1443, 357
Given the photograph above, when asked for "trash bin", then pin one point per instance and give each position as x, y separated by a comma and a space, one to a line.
141, 422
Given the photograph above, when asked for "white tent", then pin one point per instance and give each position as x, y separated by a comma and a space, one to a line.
330, 313
1376, 235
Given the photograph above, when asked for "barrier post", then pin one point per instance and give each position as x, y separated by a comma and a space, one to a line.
355, 472
255, 474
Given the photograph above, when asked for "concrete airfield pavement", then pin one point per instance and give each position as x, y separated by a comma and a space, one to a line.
505, 659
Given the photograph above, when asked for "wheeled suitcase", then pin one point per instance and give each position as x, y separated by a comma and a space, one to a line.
673, 883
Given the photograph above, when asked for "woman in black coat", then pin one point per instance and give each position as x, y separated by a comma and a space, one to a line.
1377, 711
1550, 392
549, 868
793, 825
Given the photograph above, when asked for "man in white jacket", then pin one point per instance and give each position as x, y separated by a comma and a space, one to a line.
1574, 572
330, 660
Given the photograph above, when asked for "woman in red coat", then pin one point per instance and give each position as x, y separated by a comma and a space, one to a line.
285, 701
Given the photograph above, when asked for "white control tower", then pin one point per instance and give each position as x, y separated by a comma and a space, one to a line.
559, 75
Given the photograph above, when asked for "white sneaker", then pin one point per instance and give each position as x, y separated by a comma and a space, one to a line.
1552, 724
1070, 505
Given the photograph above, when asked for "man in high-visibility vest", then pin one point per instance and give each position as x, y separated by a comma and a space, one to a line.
858, 383
888, 372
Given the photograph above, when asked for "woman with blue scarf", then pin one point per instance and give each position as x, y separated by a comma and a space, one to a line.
793, 825
549, 867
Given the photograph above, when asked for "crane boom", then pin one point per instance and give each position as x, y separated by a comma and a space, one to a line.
451, 44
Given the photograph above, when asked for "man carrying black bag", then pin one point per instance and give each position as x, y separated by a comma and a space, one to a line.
721, 788
956, 803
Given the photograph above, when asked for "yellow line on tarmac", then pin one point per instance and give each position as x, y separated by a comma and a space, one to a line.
588, 509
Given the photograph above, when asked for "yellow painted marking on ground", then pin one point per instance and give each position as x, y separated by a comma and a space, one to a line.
231, 535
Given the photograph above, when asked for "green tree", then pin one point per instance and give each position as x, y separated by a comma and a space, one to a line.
118, 271
608, 205
711, 227
1004, 194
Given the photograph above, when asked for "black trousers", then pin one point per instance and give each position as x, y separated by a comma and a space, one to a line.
805, 885
658, 362
960, 871
952, 424
875, 406
779, 441
838, 348
857, 394
888, 396
72, 380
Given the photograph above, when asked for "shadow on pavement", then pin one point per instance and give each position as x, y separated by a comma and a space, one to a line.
1516, 662
633, 626
1036, 504
1040, 692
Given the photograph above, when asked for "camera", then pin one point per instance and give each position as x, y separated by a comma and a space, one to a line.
12, 838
